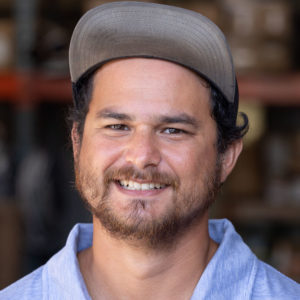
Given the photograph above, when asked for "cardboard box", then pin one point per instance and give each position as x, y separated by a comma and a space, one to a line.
209, 9
274, 19
274, 57
11, 238
7, 44
88, 4
6, 4
253, 56
257, 19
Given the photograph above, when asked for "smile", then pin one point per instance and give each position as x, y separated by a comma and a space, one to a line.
135, 186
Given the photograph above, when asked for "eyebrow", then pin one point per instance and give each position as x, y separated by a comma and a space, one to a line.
182, 118
110, 114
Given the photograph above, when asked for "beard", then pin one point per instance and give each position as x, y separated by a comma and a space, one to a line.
136, 226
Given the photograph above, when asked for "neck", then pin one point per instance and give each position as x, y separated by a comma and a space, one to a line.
113, 269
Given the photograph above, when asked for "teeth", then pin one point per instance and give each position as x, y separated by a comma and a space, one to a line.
145, 186
133, 185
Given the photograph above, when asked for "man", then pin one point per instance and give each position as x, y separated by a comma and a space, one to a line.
154, 137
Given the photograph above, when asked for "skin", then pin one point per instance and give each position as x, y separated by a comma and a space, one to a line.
151, 94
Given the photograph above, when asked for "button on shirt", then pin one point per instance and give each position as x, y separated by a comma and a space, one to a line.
234, 272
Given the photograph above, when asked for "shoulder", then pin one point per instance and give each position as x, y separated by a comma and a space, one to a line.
271, 284
51, 281
244, 276
28, 287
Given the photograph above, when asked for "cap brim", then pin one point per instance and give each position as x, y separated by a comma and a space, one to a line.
138, 29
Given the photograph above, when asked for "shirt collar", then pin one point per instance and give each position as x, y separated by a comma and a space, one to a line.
63, 271
230, 272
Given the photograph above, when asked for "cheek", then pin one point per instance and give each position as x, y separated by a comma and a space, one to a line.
191, 162
99, 153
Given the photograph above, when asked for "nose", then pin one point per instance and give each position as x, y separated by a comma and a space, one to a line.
142, 150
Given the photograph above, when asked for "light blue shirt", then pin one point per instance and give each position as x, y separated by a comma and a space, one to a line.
234, 272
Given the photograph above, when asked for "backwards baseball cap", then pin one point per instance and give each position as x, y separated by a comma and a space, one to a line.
149, 30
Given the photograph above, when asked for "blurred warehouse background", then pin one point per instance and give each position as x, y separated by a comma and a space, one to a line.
38, 203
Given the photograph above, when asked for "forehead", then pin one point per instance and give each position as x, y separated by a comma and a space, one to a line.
149, 85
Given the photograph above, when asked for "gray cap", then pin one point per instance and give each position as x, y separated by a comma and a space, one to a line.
138, 29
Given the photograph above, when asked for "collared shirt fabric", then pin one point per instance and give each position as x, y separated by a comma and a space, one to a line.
234, 272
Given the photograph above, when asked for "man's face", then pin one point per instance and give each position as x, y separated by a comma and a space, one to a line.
147, 164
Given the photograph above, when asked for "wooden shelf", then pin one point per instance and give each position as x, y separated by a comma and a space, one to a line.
33, 87
283, 90
8, 86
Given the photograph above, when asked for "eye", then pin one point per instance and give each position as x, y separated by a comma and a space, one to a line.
174, 131
117, 127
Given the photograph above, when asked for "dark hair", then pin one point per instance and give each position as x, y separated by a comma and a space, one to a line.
223, 112
225, 115
82, 93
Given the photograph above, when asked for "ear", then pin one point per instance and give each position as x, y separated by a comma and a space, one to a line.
75, 140
229, 158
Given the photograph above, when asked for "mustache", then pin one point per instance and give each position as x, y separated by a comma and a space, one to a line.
130, 173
